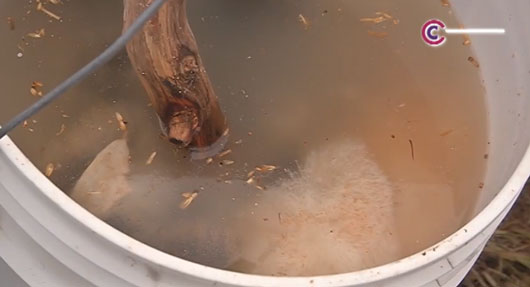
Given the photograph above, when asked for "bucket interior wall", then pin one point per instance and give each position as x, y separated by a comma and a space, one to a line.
505, 68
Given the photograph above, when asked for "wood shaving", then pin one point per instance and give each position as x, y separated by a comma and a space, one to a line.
37, 34
467, 41
35, 89
411, 149
302, 19
384, 14
11, 23
49, 169
122, 124
40, 7
250, 180
188, 198
251, 173
447, 132
380, 17
375, 20
226, 162
265, 168
224, 153
34, 92
151, 158
61, 130
379, 35
473, 61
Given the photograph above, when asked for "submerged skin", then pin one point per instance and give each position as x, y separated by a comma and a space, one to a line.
104, 183
335, 215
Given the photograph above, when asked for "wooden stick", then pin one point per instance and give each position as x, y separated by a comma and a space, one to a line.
166, 58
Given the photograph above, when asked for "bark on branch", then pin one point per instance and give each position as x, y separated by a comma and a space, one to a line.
166, 58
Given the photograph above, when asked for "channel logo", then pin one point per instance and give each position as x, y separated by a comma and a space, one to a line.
431, 32
434, 32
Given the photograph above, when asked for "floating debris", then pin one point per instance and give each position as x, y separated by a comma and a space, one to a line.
467, 40
34, 92
40, 7
253, 178
380, 18
19, 55
188, 198
49, 169
209, 160
11, 23
151, 158
250, 180
239, 141
224, 153
122, 124
35, 89
302, 19
379, 35
375, 20
445, 133
244, 93
37, 34
226, 162
411, 149
225, 133
55, 2
266, 168
446, 3
473, 61
251, 173
61, 130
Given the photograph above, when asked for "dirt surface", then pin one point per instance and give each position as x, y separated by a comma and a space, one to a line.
505, 261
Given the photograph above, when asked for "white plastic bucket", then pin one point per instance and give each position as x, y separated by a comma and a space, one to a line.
49, 240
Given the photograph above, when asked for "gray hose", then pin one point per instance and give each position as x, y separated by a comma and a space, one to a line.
81, 74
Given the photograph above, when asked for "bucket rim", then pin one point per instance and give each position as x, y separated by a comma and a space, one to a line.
372, 275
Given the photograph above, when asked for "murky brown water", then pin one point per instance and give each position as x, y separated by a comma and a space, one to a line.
337, 108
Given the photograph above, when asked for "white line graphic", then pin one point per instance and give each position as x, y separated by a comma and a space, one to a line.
475, 31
